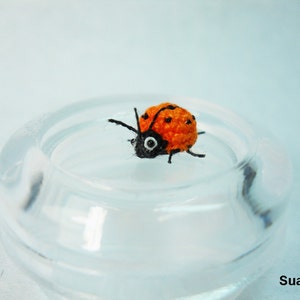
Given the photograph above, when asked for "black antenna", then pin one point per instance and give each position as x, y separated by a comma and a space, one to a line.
123, 124
172, 107
137, 120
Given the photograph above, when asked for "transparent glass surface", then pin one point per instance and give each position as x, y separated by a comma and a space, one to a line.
90, 220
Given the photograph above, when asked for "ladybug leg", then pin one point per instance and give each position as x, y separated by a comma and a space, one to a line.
195, 154
131, 141
201, 132
170, 157
171, 154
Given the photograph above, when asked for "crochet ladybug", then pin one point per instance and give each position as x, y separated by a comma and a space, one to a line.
163, 129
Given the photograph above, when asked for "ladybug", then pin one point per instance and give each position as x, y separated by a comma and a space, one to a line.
163, 129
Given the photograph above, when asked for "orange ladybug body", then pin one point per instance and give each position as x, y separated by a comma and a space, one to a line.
163, 129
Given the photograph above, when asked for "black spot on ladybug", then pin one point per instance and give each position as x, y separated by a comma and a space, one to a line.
188, 121
193, 117
172, 107
168, 120
145, 116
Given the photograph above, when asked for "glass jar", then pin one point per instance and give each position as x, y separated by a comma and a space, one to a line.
88, 219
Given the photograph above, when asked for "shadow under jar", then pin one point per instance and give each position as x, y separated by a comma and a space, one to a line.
90, 220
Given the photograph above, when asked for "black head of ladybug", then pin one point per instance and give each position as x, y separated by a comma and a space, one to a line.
149, 144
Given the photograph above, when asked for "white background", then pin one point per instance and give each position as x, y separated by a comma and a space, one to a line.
243, 55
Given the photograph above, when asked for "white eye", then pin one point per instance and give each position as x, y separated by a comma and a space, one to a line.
150, 143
